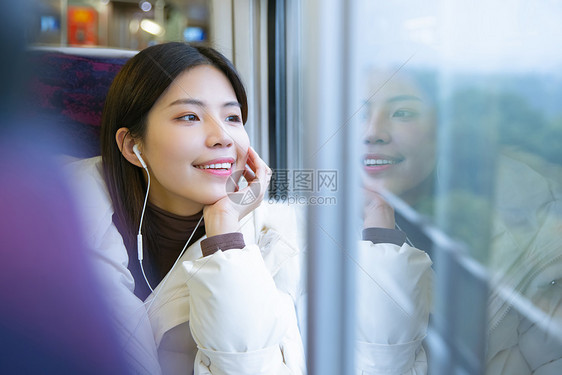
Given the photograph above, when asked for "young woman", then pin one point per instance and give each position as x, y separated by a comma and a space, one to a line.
179, 254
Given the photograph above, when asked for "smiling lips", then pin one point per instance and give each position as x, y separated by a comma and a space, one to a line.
373, 163
218, 167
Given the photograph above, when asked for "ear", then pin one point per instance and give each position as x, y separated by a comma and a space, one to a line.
125, 143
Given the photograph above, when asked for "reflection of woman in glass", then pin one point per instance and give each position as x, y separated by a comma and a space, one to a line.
394, 278
525, 249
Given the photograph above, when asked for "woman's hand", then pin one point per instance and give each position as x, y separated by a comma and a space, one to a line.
224, 215
377, 212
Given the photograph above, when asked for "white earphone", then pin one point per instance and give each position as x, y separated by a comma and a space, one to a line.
137, 152
139, 235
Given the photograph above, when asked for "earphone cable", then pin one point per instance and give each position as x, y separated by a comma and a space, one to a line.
140, 244
139, 235
174, 265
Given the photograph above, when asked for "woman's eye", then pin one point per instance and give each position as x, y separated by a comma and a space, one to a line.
189, 117
405, 114
233, 118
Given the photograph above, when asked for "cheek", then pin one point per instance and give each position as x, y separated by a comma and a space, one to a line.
427, 146
176, 145
422, 155
242, 143
418, 139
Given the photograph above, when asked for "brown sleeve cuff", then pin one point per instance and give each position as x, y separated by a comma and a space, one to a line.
227, 241
384, 235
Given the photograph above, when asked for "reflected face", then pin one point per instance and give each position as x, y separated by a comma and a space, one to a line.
398, 139
195, 140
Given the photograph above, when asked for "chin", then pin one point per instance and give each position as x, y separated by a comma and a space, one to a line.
376, 184
212, 199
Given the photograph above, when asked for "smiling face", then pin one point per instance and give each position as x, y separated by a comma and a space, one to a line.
398, 139
195, 140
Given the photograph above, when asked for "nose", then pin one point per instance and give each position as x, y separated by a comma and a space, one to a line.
377, 130
217, 134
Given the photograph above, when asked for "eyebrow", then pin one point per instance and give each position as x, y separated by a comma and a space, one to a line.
399, 98
201, 104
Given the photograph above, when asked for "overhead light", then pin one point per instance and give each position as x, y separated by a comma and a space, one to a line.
151, 27
145, 6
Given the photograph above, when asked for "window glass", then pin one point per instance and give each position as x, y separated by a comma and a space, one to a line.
462, 124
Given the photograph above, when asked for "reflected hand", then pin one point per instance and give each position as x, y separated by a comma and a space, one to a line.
377, 212
224, 215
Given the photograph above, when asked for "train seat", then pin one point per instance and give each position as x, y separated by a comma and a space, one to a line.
66, 92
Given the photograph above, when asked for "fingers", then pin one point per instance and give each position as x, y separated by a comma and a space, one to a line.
377, 212
257, 171
248, 174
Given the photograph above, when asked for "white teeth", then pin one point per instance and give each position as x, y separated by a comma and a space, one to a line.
215, 166
371, 162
